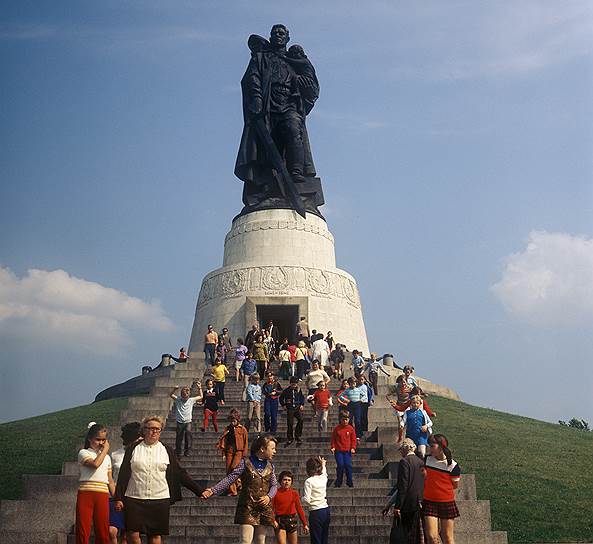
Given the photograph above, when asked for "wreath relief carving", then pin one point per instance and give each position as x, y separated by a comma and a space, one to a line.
279, 279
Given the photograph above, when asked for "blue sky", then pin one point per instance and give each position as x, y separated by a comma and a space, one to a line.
454, 141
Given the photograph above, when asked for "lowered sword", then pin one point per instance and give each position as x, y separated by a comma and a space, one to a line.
279, 170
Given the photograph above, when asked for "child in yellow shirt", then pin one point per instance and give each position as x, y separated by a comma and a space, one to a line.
219, 372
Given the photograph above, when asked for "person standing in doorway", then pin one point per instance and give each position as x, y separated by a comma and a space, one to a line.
274, 333
302, 330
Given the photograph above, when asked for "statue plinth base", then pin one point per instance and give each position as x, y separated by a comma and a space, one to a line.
280, 266
268, 196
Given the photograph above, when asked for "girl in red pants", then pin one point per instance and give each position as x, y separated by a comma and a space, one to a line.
210, 401
92, 502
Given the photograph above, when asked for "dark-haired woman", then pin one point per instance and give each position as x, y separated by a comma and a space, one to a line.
130, 433
442, 475
258, 487
95, 484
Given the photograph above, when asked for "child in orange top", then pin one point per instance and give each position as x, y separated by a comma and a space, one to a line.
321, 402
442, 475
287, 504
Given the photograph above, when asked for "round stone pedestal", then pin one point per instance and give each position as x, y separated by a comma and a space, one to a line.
277, 263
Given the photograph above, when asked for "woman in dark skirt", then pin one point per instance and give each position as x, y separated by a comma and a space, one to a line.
258, 487
442, 475
150, 480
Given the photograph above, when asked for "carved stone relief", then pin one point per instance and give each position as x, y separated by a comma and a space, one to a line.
279, 280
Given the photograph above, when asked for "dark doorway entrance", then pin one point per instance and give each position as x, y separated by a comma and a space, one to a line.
284, 317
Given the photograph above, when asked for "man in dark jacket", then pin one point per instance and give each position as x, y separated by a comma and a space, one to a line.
407, 499
293, 400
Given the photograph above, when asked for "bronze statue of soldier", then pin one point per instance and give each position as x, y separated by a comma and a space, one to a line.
279, 89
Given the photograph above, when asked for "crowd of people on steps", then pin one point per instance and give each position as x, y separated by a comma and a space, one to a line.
127, 493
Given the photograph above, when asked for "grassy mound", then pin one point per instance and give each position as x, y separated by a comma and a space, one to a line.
39, 445
536, 475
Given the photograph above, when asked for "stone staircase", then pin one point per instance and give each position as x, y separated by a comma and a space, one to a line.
46, 513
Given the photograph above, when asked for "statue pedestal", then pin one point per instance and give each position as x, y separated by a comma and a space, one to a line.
279, 266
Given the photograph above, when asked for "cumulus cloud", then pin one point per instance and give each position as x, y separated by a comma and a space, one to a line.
53, 307
550, 281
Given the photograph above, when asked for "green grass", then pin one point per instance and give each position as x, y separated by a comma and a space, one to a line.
39, 445
538, 476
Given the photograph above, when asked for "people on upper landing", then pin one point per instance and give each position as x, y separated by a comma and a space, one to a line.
251, 336
408, 371
210, 341
302, 330
357, 363
240, 353
373, 366
321, 351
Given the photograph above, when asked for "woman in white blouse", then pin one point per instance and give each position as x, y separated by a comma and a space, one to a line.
149, 481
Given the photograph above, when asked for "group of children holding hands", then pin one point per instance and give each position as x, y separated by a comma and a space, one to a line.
267, 501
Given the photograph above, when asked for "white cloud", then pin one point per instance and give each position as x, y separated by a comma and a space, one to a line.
53, 308
551, 281
473, 40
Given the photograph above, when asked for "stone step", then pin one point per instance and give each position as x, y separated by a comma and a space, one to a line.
203, 519
49, 515
461, 537
33, 537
